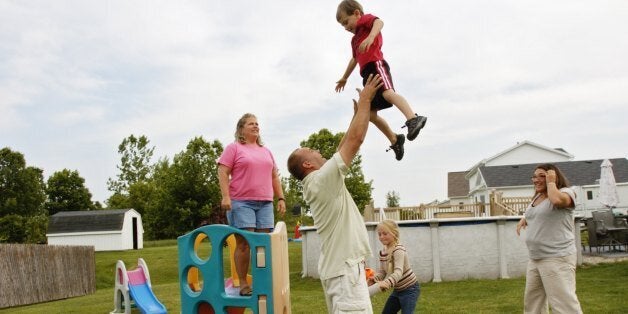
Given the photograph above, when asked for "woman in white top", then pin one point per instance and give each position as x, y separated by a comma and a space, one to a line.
549, 224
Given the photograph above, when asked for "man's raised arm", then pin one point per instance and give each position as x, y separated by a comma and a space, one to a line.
356, 132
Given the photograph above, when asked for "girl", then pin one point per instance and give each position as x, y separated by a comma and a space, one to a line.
395, 272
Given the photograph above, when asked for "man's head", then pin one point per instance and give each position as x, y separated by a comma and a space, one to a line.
304, 160
348, 14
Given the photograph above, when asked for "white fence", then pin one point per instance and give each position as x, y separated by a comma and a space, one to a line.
447, 249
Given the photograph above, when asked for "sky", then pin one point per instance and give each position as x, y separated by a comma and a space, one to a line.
77, 77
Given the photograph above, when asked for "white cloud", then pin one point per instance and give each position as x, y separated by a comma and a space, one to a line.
77, 77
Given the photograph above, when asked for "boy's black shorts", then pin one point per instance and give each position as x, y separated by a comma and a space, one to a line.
378, 102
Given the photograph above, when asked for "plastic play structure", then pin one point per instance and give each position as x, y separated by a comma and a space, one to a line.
269, 276
193, 274
134, 285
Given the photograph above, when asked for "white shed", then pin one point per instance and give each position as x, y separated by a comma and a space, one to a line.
106, 230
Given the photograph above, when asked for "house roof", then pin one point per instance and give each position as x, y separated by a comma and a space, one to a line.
559, 151
582, 172
87, 221
457, 184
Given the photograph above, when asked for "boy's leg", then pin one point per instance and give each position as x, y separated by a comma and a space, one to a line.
400, 102
383, 126
414, 122
396, 140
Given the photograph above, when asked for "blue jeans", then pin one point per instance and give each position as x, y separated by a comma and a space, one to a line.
251, 214
404, 300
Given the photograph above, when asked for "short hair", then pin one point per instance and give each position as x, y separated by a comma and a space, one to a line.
561, 180
240, 125
295, 165
348, 7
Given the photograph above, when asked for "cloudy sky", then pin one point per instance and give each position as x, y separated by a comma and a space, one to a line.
76, 77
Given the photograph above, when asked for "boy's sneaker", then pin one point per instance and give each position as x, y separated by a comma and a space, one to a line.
398, 146
414, 126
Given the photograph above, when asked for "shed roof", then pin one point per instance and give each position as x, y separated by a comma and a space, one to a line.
87, 221
582, 172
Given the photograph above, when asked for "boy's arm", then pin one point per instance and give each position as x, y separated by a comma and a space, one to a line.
340, 85
356, 132
378, 24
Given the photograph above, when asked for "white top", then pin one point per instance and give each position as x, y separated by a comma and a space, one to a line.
337, 219
550, 230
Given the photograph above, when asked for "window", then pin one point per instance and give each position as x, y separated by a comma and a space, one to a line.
589, 195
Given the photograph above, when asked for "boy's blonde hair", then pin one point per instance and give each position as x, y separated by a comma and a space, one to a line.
348, 7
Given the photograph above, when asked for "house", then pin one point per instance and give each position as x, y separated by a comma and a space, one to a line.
106, 230
466, 187
458, 188
524, 152
509, 172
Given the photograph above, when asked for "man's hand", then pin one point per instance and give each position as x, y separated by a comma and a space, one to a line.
350, 143
373, 83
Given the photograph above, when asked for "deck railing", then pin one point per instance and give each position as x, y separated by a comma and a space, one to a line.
498, 206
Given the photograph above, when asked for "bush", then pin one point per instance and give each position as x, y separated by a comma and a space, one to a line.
12, 229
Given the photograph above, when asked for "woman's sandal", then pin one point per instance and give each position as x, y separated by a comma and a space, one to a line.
246, 291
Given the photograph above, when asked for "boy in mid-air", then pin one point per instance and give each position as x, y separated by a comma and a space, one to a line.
366, 45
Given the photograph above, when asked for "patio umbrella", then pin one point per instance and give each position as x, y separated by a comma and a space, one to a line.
608, 189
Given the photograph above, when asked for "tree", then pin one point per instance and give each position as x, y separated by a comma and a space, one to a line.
67, 192
392, 199
22, 215
134, 163
185, 191
12, 229
327, 143
21, 187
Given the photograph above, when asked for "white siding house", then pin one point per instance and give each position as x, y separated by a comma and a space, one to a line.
106, 230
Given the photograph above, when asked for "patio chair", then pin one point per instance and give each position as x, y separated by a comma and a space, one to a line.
595, 241
609, 230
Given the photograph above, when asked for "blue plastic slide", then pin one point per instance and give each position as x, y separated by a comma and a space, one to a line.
145, 299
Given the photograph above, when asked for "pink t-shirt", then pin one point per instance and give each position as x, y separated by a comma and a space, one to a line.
251, 171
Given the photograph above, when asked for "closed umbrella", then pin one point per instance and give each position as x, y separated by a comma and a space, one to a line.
608, 189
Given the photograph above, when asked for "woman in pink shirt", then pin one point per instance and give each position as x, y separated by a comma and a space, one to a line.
248, 181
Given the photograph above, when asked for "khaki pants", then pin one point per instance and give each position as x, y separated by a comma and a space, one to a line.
551, 280
348, 293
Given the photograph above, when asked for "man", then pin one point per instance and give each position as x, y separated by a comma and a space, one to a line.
344, 241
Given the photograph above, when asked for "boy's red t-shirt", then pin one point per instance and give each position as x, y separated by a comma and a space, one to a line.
362, 30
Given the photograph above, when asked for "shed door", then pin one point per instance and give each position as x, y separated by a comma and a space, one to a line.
135, 233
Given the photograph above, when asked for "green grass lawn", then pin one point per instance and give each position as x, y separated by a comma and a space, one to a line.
601, 288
